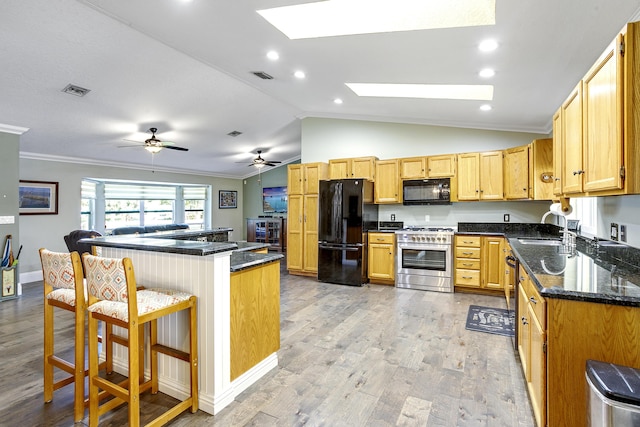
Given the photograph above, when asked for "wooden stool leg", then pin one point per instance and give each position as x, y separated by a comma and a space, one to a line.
134, 368
193, 350
48, 352
141, 353
153, 355
79, 366
93, 371
108, 346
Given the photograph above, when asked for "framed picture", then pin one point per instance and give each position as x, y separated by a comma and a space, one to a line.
38, 198
228, 199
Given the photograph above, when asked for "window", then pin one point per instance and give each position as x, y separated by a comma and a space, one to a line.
123, 204
586, 210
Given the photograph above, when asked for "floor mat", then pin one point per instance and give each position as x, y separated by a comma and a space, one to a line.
492, 320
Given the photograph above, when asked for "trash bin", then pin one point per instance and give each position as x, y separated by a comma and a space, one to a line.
614, 394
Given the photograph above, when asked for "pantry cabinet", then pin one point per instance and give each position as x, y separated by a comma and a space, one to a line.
352, 168
388, 186
302, 217
381, 258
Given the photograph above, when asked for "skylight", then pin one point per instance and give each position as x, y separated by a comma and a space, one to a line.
347, 17
426, 91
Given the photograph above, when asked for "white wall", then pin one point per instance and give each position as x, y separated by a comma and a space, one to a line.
324, 139
620, 210
38, 231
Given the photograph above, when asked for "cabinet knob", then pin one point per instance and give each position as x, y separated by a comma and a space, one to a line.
524, 189
533, 300
524, 320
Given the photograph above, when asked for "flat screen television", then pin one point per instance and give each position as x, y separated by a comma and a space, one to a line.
274, 199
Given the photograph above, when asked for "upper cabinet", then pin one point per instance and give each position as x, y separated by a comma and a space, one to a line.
357, 167
304, 178
388, 186
596, 128
428, 167
480, 176
528, 171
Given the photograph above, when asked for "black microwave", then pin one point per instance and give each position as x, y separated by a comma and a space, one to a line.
434, 191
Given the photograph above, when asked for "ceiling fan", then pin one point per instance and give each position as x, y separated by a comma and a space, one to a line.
259, 162
154, 145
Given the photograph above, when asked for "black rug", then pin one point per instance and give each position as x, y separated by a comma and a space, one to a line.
492, 320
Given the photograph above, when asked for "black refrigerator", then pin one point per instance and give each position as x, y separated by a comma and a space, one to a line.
346, 214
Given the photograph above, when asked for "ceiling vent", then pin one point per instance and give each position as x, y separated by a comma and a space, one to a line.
235, 133
75, 90
262, 75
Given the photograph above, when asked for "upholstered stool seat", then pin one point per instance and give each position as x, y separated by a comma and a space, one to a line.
115, 299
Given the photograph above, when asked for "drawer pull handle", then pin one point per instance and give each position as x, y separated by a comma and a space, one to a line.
533, 300
467, 264
467, 277
524, 320
467, 242
467, 253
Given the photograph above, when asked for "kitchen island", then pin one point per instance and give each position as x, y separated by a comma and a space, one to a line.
216, 274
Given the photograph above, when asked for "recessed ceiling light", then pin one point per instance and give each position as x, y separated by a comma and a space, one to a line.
485, 107
487, 72
337, 101
273, 55
339, 17
466, 92
300, 74
488, 45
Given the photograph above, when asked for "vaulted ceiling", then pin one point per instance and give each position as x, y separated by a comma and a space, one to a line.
186, 69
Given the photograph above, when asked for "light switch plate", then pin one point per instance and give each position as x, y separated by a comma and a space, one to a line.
614, 231
7, 219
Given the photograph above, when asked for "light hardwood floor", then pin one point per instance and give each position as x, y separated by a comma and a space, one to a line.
370, 356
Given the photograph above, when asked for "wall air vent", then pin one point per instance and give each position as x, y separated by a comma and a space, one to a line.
235, 133
262, 75
75, 90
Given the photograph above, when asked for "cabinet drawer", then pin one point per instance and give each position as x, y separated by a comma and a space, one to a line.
467, 252
382, 238
467, 277
472, 241
537, 303
468, 264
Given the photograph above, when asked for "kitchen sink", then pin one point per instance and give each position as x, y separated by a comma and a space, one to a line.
540, 241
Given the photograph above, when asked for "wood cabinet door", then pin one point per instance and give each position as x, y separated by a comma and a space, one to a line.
602, 104
294, 179
558, 160
441, 166
381, 261
363, 167
387, 186
537, 368
523, 323
491, 179
339, 169
468, 176
516, 173
313, 173
310, 227
413, 168
572, 142
492, 262
295, 236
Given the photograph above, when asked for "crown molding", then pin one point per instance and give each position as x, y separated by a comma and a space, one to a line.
17, 130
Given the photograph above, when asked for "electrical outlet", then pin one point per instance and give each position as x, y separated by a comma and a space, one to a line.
427, 218
393, 217
507, 217
623, 233
614, 231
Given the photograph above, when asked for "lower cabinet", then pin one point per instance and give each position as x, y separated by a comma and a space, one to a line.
479, 263
531, 324
381, 258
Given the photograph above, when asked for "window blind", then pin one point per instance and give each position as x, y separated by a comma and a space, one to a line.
88, 189
139, 192
194, 193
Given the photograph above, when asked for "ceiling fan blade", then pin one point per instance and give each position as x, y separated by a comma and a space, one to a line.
269, 163
272, 161
131, 146
175, 147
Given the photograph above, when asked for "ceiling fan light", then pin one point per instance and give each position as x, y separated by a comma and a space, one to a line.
153, 149
259, 165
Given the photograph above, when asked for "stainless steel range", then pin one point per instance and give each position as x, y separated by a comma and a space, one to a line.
424, 258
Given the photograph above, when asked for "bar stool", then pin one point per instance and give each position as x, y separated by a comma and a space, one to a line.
63, 288
113, 298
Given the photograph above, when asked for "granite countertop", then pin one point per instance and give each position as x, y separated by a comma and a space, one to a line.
186, 233
241, 260
607, 274
144, 242
250, 246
